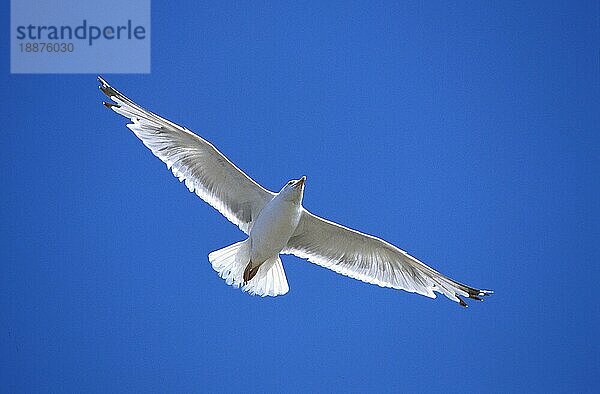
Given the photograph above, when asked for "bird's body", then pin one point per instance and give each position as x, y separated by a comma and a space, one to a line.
273, 227
268, 236
276, 222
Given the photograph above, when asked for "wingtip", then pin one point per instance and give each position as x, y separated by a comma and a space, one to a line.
473, 294
103, 83
108, 91
478, 295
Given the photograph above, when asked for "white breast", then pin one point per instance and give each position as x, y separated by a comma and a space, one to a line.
273, 228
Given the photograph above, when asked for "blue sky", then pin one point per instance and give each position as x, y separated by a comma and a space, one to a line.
465, 134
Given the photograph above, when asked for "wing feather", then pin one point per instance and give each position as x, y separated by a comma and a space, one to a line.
370, 259
194, 161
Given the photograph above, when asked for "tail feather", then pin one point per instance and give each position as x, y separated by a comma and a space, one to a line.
270, 280
231, 261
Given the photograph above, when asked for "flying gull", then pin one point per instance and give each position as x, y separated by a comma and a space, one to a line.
276, 223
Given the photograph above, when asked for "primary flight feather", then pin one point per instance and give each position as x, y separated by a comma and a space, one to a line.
276, 222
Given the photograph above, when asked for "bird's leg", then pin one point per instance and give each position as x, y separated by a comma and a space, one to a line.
250, 272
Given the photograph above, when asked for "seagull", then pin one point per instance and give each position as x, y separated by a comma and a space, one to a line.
276, 223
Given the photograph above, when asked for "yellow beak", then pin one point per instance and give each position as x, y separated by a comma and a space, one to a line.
300, 181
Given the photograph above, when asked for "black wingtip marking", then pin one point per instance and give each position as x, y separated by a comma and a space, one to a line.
475, 297
109, 91
474, 294
106, 88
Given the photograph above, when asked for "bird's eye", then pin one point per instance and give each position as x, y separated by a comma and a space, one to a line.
290, 182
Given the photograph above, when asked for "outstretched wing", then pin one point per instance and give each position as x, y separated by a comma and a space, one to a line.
371, 260
205, 170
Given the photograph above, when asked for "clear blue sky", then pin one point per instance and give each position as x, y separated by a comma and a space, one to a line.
466, 134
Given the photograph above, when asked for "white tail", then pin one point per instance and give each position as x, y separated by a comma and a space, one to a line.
231, 261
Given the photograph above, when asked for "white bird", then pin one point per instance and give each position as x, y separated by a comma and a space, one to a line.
276, 222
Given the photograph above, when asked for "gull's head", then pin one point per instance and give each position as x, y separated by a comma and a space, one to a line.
293, 190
